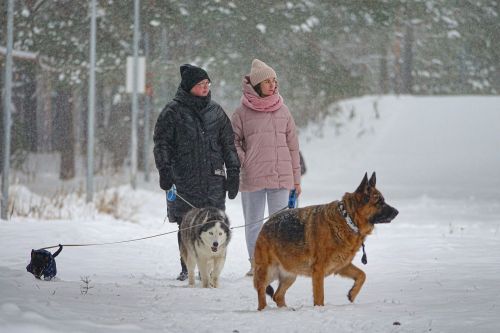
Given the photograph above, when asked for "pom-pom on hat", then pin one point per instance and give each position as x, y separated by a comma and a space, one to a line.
191, 75
260, 72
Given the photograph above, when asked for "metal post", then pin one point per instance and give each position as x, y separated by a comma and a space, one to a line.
135, 102
7, 102
147, 136
147, 111
164, 52
91, 102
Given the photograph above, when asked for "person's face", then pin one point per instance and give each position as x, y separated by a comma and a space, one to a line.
201, 89
268, 86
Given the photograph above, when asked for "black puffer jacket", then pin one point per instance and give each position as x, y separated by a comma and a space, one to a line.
193, 140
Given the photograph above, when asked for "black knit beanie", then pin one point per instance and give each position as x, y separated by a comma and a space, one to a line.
191, 75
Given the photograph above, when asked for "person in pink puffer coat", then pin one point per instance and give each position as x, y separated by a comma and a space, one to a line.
268, 149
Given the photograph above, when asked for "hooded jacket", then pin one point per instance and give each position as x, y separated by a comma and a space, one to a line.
266, 142
193, 138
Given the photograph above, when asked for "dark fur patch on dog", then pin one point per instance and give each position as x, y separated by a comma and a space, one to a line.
287, 226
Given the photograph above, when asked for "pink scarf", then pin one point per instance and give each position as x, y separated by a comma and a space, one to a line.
252, 100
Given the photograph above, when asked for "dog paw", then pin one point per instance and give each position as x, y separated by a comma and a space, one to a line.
281, 304
350, 296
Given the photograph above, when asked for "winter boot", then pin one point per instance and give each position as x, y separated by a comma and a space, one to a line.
250, 272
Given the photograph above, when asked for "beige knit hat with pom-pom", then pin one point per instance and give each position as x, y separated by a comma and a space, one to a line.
260, 72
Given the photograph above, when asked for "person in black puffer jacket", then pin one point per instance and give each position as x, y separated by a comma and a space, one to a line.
194, 149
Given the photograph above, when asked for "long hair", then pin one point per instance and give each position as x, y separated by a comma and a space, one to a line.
257, 89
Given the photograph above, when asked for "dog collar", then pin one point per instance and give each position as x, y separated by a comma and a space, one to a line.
353, 227
347, 218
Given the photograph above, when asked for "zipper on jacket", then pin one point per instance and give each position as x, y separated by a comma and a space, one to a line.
275, 146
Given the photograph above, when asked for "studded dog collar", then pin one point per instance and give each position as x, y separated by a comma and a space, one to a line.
353, 227
347, 218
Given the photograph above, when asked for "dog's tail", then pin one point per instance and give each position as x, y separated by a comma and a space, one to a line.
58, 251
270, 290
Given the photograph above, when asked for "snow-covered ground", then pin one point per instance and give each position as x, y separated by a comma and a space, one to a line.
435, 268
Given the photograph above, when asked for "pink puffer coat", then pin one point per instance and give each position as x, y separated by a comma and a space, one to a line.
266, 142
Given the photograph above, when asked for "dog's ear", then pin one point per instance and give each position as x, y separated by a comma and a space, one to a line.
373, 180
362, 188
32, 253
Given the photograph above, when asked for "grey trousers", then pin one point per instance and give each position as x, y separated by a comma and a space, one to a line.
254, 204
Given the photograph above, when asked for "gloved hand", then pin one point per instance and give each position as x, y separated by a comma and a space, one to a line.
166, 180
232, 182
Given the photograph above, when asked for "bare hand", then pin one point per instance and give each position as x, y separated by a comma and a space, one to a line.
298, 189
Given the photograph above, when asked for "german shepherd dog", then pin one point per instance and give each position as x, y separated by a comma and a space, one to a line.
318, 241
205, 234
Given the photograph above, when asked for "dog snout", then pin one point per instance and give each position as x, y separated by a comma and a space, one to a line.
215, 246
393, 213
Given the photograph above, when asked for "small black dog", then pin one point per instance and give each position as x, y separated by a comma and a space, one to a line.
43, 263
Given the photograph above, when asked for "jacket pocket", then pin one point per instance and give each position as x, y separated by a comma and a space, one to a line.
216, 159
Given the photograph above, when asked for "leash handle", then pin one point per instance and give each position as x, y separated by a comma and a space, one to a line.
292, 199
172, 193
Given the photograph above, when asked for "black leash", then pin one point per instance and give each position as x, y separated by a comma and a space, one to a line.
109, 243
162, 234
244, 225
152, 236
364, 260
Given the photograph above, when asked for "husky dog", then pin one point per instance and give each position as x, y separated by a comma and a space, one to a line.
205, 234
